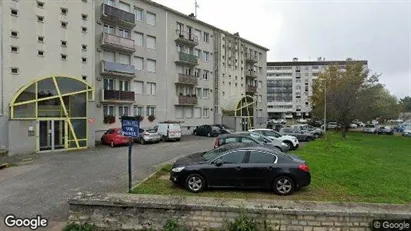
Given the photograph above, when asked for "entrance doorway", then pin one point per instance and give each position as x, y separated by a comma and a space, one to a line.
52, 135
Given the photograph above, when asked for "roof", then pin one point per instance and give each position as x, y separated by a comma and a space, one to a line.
232, 102
237, 134
312, 63
201, 22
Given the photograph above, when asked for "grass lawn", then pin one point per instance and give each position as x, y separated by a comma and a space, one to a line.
362, 168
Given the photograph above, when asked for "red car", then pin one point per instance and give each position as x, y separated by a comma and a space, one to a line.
114, 137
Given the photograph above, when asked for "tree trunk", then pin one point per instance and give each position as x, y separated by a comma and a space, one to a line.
344, 132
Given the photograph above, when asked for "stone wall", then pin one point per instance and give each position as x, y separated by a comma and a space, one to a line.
136, 212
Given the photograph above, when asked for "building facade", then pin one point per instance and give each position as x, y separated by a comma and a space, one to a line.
289, 86
108, 58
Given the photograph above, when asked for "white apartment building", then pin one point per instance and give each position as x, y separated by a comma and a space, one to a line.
70, 79
289, 86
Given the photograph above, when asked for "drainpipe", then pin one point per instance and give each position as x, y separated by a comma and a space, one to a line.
166, 75
1, 61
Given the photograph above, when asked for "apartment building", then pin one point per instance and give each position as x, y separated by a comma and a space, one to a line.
73, 79
289, 86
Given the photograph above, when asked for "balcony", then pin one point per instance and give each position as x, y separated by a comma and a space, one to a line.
116, 96
186, 38
187, 100
250, 58
187, 59
115, 15
116, 42
251, 74
117, 69
184, 79
251, 89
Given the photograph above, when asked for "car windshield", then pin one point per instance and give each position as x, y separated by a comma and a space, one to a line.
258, 137
215, 128
151, 130
272, 133
214, 153
225, 127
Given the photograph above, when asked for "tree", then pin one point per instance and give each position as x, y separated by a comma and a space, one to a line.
346, 92
406, 103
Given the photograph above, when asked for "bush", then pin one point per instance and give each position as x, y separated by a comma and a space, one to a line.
109, 119
172, 225
80, 227
242, 223
151, 118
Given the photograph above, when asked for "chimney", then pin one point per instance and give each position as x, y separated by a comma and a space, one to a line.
295, 59
192, 15
237, 34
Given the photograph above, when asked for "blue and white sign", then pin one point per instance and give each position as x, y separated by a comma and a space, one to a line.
130, 126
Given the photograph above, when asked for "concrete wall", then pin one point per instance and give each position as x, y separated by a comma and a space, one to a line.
21, 142
136, 212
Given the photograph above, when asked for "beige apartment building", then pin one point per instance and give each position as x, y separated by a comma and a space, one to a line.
105, 59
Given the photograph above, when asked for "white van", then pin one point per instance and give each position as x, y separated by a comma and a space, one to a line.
169, 131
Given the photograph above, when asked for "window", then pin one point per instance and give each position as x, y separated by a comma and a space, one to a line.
198, 92
151, 19
205, 75
260, 98
64, 43
138, 63
40, 53
124, 85
108, 110
14, 12
84, 59
14, 49
151, 88
124, 33
179, 112
151, 42
84, 47
64, 11
260, 84
139, 14
197, 112
205, 112
151, 65
84, 29
234, 157
139, 87
150, 110
197, 53
109, 29
40, 18
206, 37
205, 56
84, 17
64, 24
14, 34
63, 56
109, 84
138, 110
261, 158
205, 93
198, 34
197, 72
188, 112
124, 6
14, 70
123, 59
123, 111
40, 4
139, 41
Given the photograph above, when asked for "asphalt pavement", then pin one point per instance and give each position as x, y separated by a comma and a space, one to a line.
43, 186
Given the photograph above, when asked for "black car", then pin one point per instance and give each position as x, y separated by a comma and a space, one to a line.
241, 166
208, 130
224, 128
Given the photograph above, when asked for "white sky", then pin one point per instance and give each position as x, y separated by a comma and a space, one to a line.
378, 31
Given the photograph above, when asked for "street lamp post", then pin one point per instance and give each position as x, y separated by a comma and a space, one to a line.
325, 107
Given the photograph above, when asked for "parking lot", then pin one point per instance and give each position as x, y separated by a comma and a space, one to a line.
44, 185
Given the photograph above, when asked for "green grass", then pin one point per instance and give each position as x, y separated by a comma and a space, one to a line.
362, 168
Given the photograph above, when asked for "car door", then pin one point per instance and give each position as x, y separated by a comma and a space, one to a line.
228, 174
108, 137
256, 171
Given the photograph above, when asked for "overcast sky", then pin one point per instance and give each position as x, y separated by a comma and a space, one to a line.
378, 31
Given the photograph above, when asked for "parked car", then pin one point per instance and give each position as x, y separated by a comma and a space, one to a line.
370, 128
250, 137
353, 126
169, 131
302, 121
407, 130
332, 125
149, 135
208, 130
385, 130
301, 135
316, 132
241, 166
114, 137
224, 128
291, 141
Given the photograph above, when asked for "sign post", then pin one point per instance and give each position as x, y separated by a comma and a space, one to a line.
130, 126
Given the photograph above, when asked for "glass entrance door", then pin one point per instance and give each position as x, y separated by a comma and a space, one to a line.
52, 135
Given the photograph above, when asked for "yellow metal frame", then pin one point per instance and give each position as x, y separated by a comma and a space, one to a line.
68, 126
241, 106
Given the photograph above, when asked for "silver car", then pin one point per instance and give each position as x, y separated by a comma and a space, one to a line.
370, 128
149, 135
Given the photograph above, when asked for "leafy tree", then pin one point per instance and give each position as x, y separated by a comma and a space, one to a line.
406, 103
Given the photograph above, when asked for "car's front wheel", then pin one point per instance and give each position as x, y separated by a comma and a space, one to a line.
284, 185
195, 183
290, 145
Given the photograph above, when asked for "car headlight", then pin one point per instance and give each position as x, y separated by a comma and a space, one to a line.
178, 169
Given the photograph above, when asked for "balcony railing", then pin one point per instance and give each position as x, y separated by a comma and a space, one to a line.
187, 38
187, 100
187, 59
117, 69
117, 96
117, 42
251, 74
251, 89
251, 58
116, 15
187, 79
